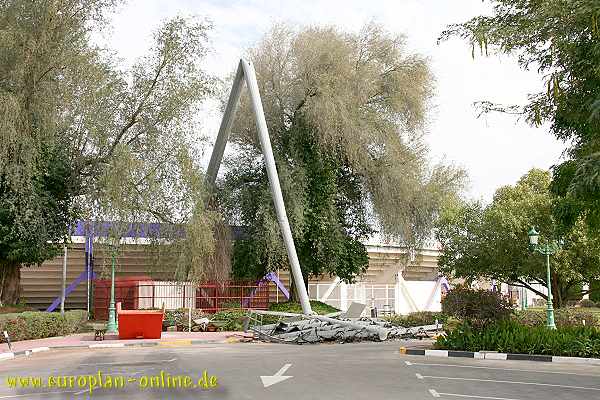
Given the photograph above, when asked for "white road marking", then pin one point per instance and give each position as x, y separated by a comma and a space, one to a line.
14, 396
434, 393
419, 376
514, 382
133, 363
278, 377
81, 392
474, 397
497, 368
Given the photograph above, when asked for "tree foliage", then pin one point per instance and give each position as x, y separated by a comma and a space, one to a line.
346, 113
561, 39
118, 143
491, 241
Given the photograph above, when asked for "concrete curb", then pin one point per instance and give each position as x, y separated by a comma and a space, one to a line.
166, 343
488, 355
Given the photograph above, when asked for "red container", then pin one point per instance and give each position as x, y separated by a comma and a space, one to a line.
140, 324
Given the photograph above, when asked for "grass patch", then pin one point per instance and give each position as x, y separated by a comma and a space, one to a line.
294, 307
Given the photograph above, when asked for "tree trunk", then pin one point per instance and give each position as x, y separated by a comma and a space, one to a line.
10, 282
293, 292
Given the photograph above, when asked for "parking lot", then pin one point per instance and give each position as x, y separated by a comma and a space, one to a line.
338, 371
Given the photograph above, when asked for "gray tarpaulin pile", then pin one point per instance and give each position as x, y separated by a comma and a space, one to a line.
300, 328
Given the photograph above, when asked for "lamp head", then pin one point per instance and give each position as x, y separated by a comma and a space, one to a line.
533, 236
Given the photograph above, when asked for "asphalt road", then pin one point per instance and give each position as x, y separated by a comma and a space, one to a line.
348, 371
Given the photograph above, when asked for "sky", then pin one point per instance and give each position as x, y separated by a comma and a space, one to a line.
495, 150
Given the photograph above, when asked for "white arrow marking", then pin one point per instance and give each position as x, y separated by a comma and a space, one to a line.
278, 377
408, 363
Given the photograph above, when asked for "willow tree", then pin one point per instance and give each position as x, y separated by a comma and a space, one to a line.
85, 137
561, 40
347, 114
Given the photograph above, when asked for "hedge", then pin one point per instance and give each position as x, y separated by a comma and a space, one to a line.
511, 337
39, 324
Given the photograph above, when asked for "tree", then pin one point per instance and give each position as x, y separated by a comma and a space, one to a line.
562, 40
125, 137
346, 113
491, 241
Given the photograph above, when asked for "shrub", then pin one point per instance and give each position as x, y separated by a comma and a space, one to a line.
562, 317
229, 320
180, 316
586, 303
39, 324
416, 319
509, 336
477, 306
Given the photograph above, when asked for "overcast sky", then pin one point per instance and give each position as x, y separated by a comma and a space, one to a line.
495, 150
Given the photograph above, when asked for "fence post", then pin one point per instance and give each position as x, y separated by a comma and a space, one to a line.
344, 296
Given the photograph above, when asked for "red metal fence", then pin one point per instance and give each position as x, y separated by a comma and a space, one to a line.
210, 297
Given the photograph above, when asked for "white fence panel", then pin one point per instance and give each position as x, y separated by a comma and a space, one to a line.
421, 292
425, 295
173, 295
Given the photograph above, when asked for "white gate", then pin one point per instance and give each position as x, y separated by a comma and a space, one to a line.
403, 297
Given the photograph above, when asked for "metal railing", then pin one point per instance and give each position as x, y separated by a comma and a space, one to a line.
210, 297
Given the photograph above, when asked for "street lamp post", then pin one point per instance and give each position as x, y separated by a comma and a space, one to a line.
111, 326
546, 249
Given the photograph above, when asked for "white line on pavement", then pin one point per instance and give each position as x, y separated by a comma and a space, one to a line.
497, 368
473, 397
13, 396
419, 376
514, 382
434, 393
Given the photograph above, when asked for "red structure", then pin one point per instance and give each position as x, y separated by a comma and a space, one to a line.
140, 324
125, 293
142, 292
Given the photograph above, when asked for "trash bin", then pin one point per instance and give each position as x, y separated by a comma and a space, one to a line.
140, 324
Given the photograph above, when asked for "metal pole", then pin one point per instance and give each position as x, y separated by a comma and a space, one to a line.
111, 326
190, 313
225, 128
265, 142
88, 264
550, 307
64, 281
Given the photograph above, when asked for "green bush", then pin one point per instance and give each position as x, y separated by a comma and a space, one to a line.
294, 307
477, 306
417, 319
229, 320
562, 317
508, 336
180, 316
39, 324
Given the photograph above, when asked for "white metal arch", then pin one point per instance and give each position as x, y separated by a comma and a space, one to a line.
245, 72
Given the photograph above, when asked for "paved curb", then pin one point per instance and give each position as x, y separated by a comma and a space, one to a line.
166, 343
487, 355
